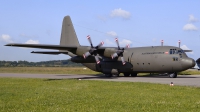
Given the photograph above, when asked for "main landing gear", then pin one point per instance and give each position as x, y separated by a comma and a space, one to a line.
125, 75
112, 75
132, 74
172, 75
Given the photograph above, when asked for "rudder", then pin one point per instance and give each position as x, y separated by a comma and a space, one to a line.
68, 34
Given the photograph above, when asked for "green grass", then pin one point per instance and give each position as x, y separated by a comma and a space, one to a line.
190, 72
47, 70
20, 94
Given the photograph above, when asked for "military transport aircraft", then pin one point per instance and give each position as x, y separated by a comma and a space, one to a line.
115, 60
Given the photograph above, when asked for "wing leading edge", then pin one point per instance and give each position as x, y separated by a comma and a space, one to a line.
45, 46
49, 52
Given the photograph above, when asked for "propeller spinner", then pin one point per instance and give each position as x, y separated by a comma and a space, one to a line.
93, 50
119, 52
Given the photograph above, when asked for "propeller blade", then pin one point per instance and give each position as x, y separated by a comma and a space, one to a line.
123, 62
97, 59
90, 41
86, 54
127, 46
116, 39
100, 44
114, 55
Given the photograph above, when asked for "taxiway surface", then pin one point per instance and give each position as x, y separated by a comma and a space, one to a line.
185, 80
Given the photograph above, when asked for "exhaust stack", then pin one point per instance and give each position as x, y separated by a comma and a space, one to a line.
179, 43
162, 42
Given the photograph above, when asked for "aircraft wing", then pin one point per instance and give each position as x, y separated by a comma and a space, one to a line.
49, 52
44, 46
54, 52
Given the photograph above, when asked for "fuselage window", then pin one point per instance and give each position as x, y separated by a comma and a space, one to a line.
180, 55
175, 58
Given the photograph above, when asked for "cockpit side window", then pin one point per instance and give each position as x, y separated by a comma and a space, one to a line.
174, 51
170, 51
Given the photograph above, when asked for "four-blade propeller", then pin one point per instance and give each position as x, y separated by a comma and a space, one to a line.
93, 50
119, 52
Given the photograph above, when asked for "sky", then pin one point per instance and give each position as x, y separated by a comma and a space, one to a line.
135, 22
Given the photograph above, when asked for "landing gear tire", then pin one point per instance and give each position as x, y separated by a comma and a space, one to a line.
173, 75
133, 74
126, 74
115, 75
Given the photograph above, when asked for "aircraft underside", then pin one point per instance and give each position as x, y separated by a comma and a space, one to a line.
114, 69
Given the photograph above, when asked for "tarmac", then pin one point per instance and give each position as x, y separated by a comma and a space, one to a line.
183, 80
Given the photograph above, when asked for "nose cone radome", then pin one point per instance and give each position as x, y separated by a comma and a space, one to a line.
193, 63
188, 63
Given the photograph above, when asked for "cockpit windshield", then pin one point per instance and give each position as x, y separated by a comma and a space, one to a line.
180, 51
175, 51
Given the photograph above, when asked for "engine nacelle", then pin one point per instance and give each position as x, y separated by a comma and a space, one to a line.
82, 49
110, 71
80, 59
109, 51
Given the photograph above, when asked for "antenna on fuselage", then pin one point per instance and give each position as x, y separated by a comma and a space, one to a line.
162, 41
179, 43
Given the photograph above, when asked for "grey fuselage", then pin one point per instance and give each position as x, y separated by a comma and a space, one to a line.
155, 59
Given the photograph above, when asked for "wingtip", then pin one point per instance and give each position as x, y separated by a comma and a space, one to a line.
7, 45
10, 44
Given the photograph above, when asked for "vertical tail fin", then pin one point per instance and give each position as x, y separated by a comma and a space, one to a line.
68, 34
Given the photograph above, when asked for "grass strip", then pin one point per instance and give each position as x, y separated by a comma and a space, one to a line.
47, 70
68, 95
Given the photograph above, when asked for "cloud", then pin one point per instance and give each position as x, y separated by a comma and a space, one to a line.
109, 43
190, 27
6, 38
120, 13
102, 18
122, 43
192, 18
24, 35
32, 42
27, 36
125, 42
184, 47
112, 34
154, 39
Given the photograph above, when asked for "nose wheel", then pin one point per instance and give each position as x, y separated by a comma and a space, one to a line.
173, 75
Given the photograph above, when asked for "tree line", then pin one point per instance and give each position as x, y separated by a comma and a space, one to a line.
52, 63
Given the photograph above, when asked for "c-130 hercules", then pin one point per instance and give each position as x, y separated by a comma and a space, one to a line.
115, 60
